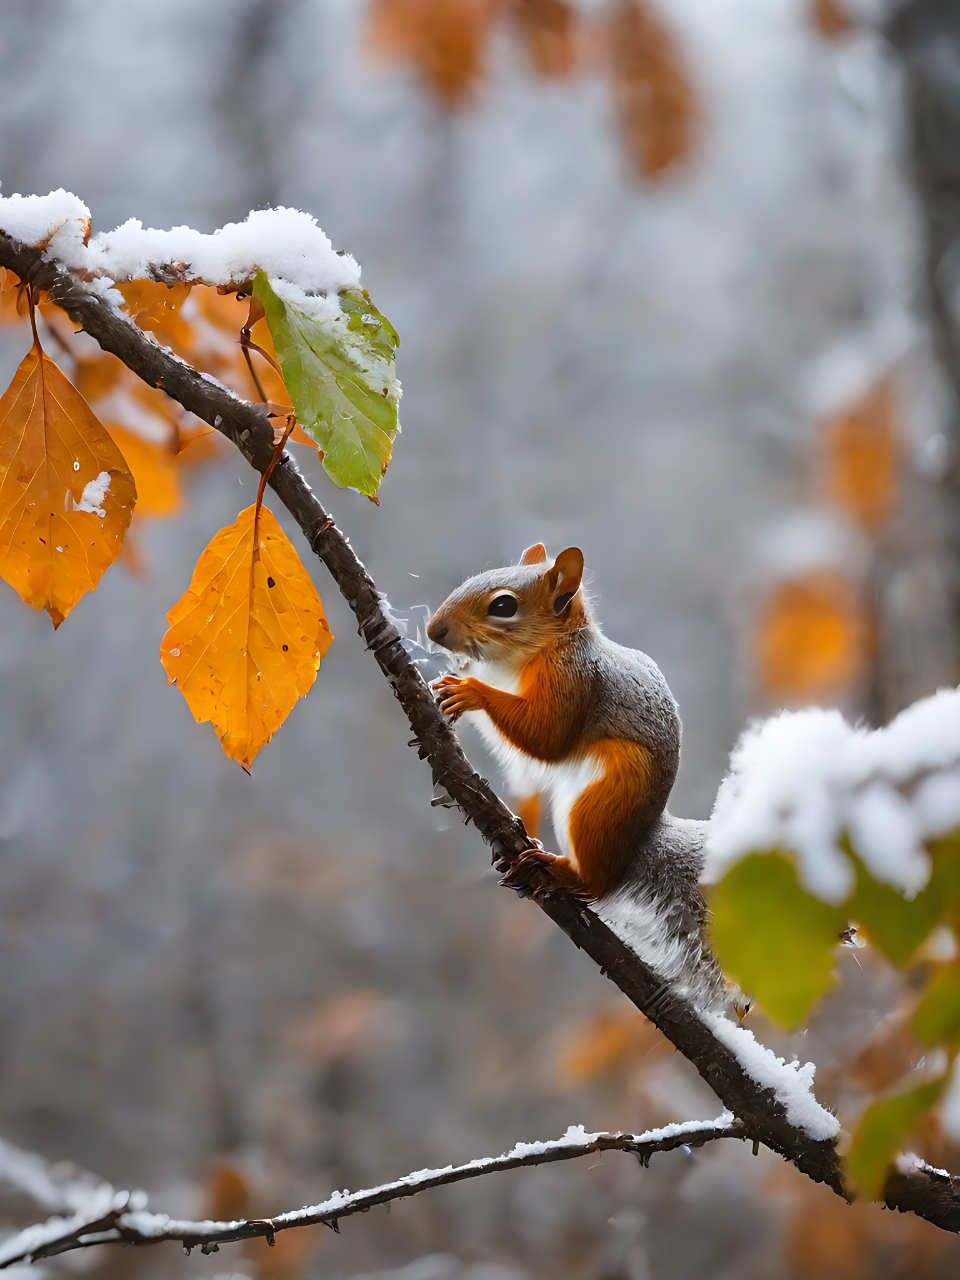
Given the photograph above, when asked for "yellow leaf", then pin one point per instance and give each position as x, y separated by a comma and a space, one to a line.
66, 494
246, 639
860, 445
154, 469
813, 636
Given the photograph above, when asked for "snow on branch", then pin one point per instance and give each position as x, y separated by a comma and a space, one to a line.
286, 244
61, 1187
121, 1217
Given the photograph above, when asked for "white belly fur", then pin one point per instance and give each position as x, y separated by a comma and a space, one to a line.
559, 784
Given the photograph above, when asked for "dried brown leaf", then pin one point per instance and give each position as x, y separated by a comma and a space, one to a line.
655, 102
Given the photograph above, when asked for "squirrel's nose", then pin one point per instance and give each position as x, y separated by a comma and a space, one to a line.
437, 633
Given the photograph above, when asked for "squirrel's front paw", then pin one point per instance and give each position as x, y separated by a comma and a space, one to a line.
455, 695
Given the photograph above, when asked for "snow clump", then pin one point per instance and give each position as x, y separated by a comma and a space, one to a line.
802, 781
286, 244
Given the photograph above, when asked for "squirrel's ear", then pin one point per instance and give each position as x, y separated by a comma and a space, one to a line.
565, 576
537, 554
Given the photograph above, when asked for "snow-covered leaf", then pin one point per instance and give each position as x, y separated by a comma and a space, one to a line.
774, 939
338, 365
893, 925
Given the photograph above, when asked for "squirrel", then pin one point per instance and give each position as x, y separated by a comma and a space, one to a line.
593, 727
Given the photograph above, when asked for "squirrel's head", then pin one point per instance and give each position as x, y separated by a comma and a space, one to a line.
508, 614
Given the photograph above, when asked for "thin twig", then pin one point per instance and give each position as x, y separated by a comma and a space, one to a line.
124, 1225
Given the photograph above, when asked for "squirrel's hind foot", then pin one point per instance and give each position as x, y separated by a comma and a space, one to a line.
536, 871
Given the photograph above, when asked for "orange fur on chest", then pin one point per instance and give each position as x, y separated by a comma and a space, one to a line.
609, 816
545, 718
605, 822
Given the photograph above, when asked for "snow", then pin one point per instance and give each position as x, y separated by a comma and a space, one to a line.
575, 1136
60, 221
286, 244
94, 495
802, 780
909, 1163
100, 1200
161, 1224
61, 1187
318, 308
32, 1238
678, 1129
791, 1083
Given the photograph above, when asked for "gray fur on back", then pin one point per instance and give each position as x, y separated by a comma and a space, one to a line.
634, 702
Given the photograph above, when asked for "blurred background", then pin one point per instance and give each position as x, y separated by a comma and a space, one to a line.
677, 281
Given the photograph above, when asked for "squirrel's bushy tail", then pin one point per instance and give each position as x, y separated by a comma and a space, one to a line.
660, 914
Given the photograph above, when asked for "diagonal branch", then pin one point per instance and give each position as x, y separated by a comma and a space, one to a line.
763, 1109
126, 1221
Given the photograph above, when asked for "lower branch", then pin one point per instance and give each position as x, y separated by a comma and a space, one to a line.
757, 1108
123, 1224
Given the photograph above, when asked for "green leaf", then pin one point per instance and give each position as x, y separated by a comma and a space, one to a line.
881, 1133
936, 1019
340, 376
945, 881
895, 926
774, 939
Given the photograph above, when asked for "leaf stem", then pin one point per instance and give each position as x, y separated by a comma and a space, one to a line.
33, 318
247, 345
264, 478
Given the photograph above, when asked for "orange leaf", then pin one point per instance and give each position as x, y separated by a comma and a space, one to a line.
609, 1043
655, 103
861, 455
66, 494
199, 445
830, 19
154, 469
202, 326
97, 374
813, 635
246, 638
226, 1193
156, 308
444, 39
13, 303
547, 31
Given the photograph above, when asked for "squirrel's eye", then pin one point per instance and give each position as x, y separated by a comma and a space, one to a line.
502, 607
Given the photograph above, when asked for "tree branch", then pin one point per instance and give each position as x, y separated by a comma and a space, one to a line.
762, 1114
120, 1218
